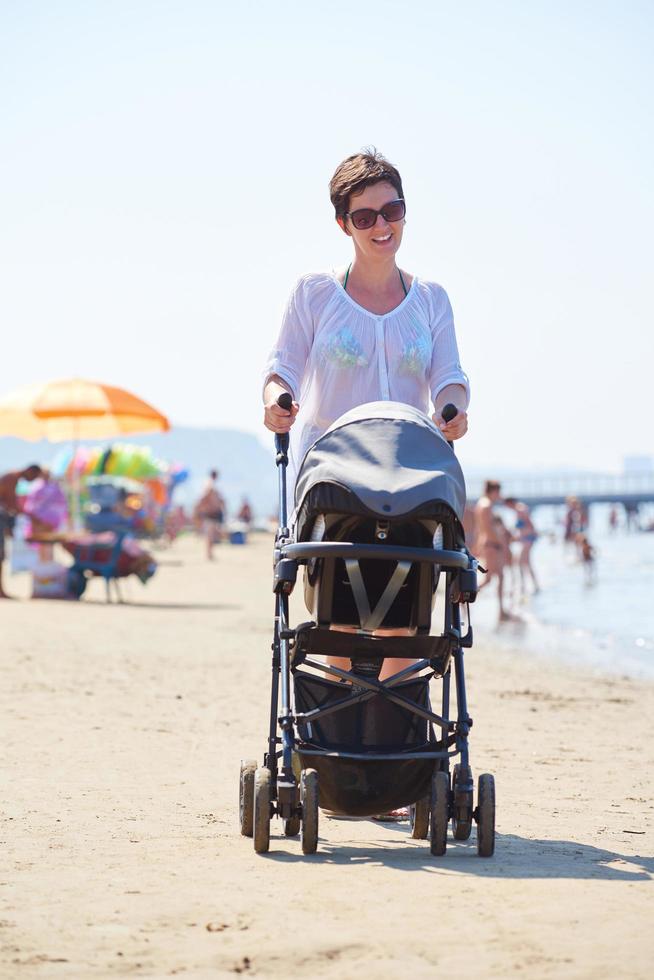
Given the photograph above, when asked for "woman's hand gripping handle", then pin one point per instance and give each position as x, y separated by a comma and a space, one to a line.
285, 403
452, 422
279, 408
449, 413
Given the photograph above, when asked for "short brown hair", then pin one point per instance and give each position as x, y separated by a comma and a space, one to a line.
356, 173
492, 486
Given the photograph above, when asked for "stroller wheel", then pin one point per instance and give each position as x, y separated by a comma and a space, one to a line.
246, 797
261, 819
292, 826
419, 819
486, 816
309, 798
440, 812
461, 814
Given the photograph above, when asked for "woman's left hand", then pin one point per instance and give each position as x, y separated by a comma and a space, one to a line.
454, 429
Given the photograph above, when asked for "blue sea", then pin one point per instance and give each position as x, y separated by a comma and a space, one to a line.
607, 624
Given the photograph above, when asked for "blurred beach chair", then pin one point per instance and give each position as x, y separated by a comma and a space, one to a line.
97, 555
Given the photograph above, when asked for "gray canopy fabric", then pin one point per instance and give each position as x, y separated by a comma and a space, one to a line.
390, 456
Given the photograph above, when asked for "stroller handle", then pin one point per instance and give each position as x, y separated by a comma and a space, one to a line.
347, 549
284, 401
449, 412
282, 440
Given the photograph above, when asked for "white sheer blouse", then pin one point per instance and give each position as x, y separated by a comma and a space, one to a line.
333, 354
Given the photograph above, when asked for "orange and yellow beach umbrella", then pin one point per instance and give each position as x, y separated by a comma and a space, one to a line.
75, 409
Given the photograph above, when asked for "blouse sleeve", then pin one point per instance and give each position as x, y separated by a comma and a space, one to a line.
288, 358
445, 366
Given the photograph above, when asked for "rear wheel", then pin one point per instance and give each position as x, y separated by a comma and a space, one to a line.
440, 812
261, 821
486, 815
246, 797
309, 798
462, 806
419, 818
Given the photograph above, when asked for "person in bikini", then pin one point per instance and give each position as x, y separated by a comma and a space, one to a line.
490, 543
527, 535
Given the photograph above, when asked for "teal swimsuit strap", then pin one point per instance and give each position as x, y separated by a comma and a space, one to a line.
347, 276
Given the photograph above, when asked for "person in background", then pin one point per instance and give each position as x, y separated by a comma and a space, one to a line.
210, 513
632, 511
469, 528
526, 537
510, 569
245, 513
10, 506
47, 508
175, 522
588, 555
490, 543
573, 522
613, 519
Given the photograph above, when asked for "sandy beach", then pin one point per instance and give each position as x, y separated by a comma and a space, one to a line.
123, 727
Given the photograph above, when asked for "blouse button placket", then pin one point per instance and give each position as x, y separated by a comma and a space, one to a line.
381, 359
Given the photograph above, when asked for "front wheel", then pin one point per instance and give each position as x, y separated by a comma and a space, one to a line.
440, 812
261, 821
486, 815
462, 807
309, 800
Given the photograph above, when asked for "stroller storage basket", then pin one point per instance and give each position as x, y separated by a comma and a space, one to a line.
366, 787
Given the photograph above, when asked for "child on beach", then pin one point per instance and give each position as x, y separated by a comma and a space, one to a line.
587, 554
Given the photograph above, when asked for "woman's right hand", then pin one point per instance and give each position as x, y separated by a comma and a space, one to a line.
278, 419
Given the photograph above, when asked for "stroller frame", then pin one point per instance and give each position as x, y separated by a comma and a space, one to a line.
277, 788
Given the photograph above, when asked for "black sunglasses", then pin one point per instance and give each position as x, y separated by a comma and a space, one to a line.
367, 217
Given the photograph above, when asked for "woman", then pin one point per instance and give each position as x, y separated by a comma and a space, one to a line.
369, 331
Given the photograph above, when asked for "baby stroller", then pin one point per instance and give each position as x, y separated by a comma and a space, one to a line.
378, 526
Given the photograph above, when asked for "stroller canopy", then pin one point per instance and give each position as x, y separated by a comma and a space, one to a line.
384, 459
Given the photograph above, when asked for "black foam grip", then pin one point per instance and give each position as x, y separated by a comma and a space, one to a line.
285, 401
449, 412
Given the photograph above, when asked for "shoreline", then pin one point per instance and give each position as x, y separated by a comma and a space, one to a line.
596, 653
124, 727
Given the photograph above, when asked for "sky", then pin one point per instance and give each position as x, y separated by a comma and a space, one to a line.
164, 172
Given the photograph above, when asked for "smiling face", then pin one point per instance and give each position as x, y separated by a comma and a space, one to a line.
384, 238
